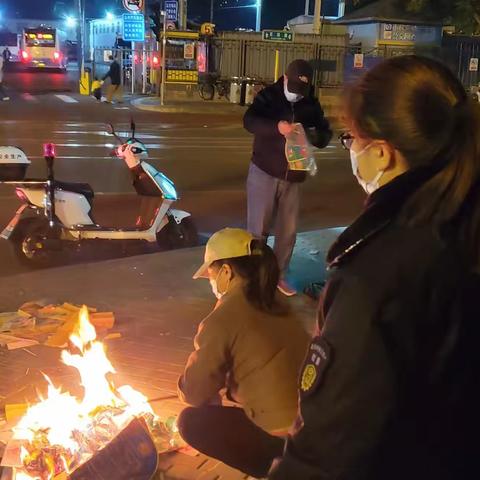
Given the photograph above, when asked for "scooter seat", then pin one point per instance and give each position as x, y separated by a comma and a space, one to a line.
82, 188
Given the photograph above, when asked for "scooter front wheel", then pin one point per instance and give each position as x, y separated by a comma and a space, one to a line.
181, 235
30, 243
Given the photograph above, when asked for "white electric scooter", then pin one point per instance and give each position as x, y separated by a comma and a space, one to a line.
55, 217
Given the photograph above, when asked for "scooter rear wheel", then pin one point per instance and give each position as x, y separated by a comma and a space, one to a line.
182, 235
29, 244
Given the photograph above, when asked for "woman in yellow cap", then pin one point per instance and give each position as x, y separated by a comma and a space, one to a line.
251, 347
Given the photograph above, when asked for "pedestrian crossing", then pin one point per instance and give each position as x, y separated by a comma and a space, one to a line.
59, 98
67, 98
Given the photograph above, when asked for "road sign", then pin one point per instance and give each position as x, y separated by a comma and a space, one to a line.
189, 51
171, 8
133, 27
282, 36
134, 5
358, 60
106, 55
473, 65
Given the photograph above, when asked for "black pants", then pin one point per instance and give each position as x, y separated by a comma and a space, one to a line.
227, 434
3, 93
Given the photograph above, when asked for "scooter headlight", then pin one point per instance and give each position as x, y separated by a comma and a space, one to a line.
168, 188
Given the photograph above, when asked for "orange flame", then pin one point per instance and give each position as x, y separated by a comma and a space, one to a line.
61, 415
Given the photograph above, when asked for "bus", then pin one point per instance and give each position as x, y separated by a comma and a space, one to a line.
12, 41
44, 47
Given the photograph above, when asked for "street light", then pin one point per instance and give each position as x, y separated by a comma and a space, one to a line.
259, 16
258, 7
109, 16
71, 22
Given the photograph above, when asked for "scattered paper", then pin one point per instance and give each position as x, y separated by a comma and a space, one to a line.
36, 323
11, 457
15, 410
12, 343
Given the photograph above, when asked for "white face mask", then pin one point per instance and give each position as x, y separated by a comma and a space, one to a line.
372, 185
291, 97
214, 285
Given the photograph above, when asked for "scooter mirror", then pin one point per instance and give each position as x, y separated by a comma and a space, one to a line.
132, 127
110, 129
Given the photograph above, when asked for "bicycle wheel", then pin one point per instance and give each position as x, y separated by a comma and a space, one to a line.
224, 90
207, 91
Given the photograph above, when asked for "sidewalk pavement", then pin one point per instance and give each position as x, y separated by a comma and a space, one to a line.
179, 104
157, 307
186, 105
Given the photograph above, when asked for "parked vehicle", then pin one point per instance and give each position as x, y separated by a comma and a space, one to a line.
55, 218
12, 41
207, 89
44, 47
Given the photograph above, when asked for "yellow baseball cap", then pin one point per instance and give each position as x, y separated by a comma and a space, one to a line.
227, 243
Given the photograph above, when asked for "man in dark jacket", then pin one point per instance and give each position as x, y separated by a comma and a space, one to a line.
115, 88
273, 190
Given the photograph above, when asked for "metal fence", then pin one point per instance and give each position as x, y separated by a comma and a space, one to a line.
246, 55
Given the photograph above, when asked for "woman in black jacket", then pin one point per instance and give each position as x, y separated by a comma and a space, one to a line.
389, 389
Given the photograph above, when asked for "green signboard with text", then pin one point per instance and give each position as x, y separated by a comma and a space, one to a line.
282, 36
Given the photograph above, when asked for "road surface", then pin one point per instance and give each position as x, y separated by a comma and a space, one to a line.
206, 156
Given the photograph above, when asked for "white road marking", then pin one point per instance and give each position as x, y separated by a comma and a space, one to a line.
66, 99
29, 97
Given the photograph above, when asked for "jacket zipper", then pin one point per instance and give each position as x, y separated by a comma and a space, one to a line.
292, 106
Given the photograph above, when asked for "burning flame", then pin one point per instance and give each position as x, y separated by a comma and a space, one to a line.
62, 432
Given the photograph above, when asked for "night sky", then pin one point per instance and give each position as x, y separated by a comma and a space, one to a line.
275, 12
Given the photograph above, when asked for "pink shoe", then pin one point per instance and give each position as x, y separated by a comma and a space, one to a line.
286, 289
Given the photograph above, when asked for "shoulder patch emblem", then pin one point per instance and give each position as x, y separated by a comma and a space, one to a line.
308, 377
317, 361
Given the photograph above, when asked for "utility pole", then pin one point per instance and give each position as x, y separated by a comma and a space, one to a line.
307, 7
317, 19
81, 36
144, 49
259, 16
212, 5
164, 58
182, 13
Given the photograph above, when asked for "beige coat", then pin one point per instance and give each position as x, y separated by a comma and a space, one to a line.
255, 355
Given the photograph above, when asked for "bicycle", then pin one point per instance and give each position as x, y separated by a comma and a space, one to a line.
207, 90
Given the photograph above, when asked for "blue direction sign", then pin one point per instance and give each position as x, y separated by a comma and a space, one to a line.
171, 9
133, 27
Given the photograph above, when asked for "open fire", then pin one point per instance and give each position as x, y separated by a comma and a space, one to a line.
62, 432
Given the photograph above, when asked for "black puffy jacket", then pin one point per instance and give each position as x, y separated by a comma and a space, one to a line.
390, 387
114, 73
270, 107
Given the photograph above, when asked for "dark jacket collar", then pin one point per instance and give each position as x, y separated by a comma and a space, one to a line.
381, 208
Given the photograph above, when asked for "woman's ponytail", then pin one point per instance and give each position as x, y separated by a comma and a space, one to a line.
261, 274
262, 282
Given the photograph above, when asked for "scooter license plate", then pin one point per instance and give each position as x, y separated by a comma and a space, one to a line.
7, 232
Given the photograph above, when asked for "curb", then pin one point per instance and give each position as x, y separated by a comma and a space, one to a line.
217, 108
212, 108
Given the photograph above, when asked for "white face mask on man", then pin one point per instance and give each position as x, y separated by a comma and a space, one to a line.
372, 185
291, 97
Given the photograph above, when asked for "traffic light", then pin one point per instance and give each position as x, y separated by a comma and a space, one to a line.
156, 20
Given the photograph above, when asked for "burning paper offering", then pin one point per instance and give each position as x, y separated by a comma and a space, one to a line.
59, 436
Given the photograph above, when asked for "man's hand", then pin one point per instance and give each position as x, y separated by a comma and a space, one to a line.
285, 128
